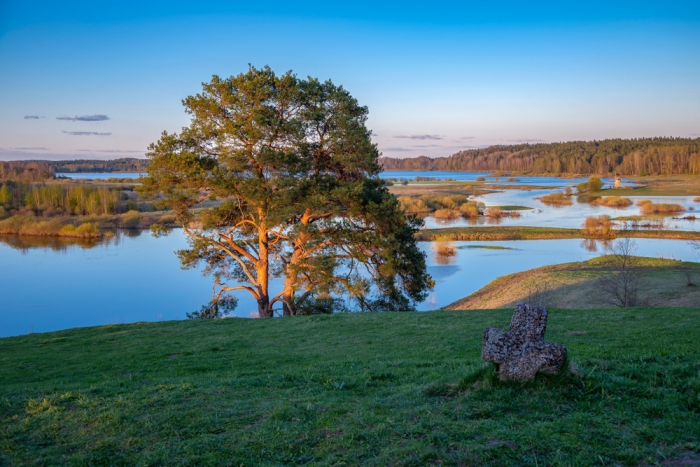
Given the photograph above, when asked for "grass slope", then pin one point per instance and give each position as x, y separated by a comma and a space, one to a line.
404, 389
574, 285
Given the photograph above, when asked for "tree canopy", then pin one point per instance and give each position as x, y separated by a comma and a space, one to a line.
277, 176
643, 156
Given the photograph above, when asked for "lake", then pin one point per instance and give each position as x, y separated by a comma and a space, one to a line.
52, 284
501, 180
101, 176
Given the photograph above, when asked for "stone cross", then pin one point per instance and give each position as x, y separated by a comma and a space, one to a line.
522, 351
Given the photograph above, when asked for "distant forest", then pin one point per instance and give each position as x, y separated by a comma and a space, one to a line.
26, 171
127, 164
37, 171
646, 156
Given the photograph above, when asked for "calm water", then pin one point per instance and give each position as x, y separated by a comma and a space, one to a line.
565, 216
471, 177
62, 284
102, 176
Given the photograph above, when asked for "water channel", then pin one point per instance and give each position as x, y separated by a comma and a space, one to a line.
50, 283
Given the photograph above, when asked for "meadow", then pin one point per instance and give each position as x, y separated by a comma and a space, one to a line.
403, 389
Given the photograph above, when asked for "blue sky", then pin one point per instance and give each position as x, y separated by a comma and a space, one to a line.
437, 77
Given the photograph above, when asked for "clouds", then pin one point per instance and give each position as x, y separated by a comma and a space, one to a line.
84, 118
85, 133
113, 151
31, 149
398, 149
526, 140
420, 137
467, 137
32, 117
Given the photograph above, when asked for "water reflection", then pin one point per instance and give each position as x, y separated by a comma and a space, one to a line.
25, 243
592, 245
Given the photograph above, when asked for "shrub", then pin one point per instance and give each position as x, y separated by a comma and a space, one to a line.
480, 179
3, 213
494, 211
612, 202
444, 250
696, 199
130, 219
556, 199
470, 209
409, 204
594, 184
30, 225
601, 226
659, 208
447, 214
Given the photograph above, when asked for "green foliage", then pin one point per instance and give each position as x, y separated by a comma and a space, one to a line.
5, 195
594, 184
643, 156
220, 308
130, 219
124, 164
359, 389
54, 199
294, 173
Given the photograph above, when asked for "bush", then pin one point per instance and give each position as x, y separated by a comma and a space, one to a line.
649, 207
447, 214
409, 204
612, 202
444, 250
556, 199
470, 209
601, 226
480, 179
29, 225
594, 184
130, 219
494, 211
3, 213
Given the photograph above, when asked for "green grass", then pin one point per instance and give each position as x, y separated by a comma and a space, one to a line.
404, 389
664, 283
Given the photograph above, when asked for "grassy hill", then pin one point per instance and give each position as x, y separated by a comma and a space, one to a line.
575, 285
403, 389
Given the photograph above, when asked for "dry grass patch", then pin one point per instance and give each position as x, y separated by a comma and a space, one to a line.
647, 207
600, 226
556, 199
37, 226
612, 202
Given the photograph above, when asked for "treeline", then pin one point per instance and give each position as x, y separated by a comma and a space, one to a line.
125, 164
644, 156
26, 171
53, 200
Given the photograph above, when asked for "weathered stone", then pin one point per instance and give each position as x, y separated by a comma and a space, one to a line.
522, 351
